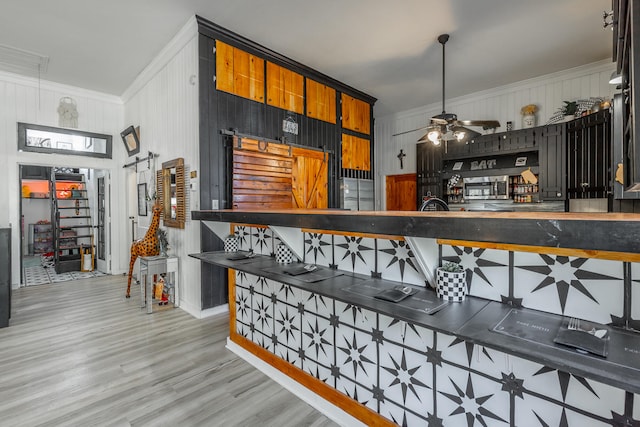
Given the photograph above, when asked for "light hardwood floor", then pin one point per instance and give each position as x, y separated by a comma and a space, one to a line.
79, 354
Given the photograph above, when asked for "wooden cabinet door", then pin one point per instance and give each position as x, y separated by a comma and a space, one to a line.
248, 75
356, 153
224, 67
321, 101
309, 179
589, 157
552, 159
239, 72
285, 88
356, 114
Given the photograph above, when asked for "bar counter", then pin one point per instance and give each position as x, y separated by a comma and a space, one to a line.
491, 357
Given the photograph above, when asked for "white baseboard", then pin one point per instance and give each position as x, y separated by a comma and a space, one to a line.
330, 410
198, 313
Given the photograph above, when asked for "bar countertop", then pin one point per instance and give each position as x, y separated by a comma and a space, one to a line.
612, 232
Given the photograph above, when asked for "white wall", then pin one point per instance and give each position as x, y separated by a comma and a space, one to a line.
27, 100
501, 103
163, 101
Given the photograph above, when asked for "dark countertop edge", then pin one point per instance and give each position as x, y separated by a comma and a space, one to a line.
470, 320
597, 232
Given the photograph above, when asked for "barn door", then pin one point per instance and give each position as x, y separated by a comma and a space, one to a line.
309, 179
270, 175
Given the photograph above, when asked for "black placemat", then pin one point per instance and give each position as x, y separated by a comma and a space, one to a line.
396, 294
304, 274
423, 300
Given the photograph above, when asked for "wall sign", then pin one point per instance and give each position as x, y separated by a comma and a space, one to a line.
289, 125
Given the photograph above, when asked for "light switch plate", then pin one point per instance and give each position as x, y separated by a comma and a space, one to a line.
214, 204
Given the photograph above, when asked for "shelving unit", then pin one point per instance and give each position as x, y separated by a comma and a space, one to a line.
71, 219
522, 191
42, 238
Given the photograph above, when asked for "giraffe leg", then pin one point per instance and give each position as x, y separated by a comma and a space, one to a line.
132, 262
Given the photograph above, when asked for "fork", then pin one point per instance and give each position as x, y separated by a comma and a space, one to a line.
574, 325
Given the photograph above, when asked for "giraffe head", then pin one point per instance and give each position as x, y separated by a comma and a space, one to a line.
157, 208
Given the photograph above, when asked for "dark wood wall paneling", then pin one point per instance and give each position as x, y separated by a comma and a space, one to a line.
224, 111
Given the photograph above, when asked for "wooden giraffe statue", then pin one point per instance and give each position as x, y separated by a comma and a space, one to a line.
147, 246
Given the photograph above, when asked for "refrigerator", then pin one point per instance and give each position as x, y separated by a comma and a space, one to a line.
356, 194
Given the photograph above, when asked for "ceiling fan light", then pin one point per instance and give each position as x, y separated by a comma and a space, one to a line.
460, 135
434, 136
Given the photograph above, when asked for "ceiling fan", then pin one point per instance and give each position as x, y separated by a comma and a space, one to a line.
446, 126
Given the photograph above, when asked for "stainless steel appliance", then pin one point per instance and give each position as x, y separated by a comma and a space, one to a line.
356, 194
486, 187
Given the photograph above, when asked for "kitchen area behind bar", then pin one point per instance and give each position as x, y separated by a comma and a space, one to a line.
559, 167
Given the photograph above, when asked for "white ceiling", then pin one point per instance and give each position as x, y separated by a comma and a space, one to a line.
387, 49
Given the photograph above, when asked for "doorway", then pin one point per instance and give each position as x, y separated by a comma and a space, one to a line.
64, 222
401, 192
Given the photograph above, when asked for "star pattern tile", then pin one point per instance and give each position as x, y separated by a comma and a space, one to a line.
318, 249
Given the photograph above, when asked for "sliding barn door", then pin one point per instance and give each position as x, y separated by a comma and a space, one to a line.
270, 175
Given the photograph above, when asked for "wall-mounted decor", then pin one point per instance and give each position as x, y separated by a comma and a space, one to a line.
131, 138
170, 185
52, 140
142, 199
67, 113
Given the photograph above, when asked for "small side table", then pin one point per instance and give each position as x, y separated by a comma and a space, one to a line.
152, 265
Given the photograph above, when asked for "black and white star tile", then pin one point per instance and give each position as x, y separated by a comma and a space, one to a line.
262, 240
397, 262
465, 398
487, 269
317, 342
356, 356
318, 249
355, 254
243, 233
586, 287
406, 379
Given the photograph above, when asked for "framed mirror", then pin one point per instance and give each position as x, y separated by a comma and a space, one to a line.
173, 193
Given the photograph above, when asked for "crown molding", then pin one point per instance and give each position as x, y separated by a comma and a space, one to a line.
48, 85
177, 43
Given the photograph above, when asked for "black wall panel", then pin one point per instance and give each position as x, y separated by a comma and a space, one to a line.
223, 111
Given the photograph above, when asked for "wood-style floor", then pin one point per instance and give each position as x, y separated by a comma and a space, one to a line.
79, 354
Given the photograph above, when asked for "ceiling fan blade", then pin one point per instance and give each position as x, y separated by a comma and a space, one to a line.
438, 121
409, 131
486, 124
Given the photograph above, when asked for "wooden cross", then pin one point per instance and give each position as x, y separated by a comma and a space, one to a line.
401, 156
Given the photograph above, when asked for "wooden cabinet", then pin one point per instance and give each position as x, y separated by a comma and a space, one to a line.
518, 140
356, 114
589, 156
552, 158
285, 88
356, 153
239, 72
428, 168
321, 101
